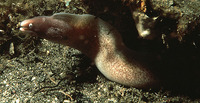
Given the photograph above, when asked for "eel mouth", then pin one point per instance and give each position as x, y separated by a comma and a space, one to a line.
25, 25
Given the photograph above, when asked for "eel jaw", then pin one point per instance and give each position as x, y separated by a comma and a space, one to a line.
23, 28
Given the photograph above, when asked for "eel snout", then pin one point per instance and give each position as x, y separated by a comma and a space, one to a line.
26, 25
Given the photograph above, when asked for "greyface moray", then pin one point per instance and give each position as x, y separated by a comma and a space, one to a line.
99, 41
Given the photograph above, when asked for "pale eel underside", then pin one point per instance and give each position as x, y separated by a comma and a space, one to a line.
99, 41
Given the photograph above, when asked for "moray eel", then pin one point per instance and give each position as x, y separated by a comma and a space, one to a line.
99, 41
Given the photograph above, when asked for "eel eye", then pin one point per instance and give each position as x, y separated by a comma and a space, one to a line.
30, 26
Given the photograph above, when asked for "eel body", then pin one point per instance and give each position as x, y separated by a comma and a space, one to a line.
99, 41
